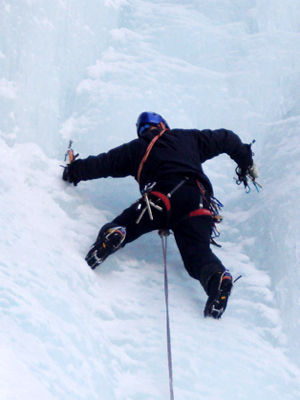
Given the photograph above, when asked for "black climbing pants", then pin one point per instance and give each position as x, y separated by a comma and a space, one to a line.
192, 234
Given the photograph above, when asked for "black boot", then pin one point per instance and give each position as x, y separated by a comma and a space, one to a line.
105, 245
218, 292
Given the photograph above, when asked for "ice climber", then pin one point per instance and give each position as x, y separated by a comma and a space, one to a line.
176, 195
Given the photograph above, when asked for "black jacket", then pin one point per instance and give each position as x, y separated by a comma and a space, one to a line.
177, 153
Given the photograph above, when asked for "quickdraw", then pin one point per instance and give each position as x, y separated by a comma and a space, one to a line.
255, 183
242, 179
215, 206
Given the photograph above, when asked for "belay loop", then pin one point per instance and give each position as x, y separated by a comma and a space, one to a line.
164, 235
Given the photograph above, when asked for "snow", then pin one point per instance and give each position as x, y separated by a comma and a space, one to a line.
84, 71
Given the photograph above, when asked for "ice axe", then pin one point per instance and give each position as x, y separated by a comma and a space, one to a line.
70, 156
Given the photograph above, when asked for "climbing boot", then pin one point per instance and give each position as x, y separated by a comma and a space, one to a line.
218, 292
105, 245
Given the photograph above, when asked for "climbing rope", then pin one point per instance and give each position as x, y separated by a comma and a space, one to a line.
164, 235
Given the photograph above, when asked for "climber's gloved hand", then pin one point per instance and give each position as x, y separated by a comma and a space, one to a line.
242, 174
69, 174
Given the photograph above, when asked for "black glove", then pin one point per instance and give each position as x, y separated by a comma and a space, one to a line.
69, 176
242, 175
252, 172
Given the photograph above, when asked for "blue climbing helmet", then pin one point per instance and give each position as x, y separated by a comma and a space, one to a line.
147, 119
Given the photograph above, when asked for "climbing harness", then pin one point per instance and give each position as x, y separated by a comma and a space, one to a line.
159, 198
164, 233
213, 211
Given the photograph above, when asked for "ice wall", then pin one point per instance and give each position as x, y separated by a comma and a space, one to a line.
45, 50
84, 71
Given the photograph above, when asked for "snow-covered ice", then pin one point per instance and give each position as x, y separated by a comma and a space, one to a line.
84, 71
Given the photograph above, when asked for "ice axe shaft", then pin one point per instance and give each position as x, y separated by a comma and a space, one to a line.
70, 156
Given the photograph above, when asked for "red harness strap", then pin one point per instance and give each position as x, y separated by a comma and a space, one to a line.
200, 212
163, 198
155, 203
149, 148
